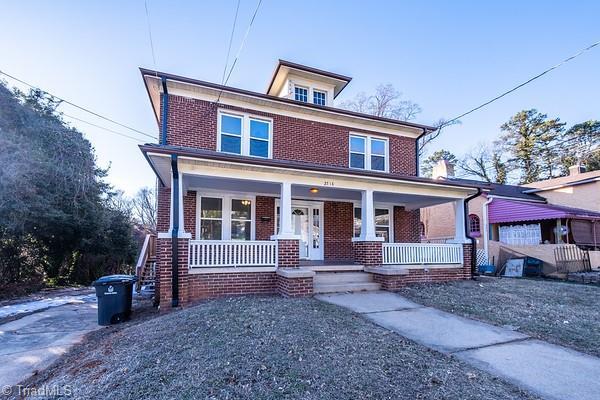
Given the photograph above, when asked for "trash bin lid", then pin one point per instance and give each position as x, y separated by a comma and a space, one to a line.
110, 279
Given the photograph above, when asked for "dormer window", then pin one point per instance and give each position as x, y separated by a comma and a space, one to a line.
319, 97
301, 94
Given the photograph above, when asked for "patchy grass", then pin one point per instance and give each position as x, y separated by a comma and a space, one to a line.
264, 348
558, 312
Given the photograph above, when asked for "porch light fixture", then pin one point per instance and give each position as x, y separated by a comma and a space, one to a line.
245, 202
314, 190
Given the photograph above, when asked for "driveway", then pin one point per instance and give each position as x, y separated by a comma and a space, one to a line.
33, 342
550, 371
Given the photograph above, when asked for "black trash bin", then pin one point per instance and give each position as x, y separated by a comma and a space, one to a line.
114, 294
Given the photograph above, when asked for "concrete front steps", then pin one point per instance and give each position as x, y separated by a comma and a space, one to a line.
343, 281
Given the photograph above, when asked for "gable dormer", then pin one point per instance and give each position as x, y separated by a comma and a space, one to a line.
306, 84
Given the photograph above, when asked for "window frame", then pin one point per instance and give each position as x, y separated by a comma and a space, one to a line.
319, 91
307, 89
226, 209
245, 133
368, 140
472, 232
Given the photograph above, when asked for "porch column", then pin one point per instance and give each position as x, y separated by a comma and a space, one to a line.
367, 215
459, 222
285, 210
367, 247
288, 244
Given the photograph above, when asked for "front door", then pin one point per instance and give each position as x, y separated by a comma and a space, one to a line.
307, 223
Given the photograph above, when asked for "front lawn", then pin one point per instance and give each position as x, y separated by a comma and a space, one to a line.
264, 348
558, 312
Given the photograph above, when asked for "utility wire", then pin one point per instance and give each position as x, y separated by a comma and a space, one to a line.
566, 60
104, 128
237, 9
78, 106
241, 47
150, 36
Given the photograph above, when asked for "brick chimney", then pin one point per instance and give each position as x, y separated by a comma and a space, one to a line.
576, 169
442, 169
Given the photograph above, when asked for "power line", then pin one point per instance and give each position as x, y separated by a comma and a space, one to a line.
241, 47
150, 36
230, 41
77, 106
102, 127
566, 60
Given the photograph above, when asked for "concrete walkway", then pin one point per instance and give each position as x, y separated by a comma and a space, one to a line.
550, 371
35, 341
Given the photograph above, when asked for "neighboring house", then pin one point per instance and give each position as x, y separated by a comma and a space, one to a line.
262, 192
521, 216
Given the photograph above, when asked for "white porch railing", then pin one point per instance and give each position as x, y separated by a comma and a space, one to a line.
232, 253
422, 253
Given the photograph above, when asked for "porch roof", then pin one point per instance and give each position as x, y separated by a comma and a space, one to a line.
501, 210
293, 165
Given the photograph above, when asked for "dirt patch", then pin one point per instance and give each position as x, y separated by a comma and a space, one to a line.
264, 348
558, 312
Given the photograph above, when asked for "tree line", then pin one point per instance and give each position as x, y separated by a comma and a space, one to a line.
530, 148
60, 222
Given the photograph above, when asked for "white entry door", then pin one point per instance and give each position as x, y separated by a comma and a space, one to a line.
307, 222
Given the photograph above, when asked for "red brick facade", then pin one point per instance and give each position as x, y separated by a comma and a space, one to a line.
193, 123
164, 271
338, 228
295, 287
265, 213
288, 252
406, 225
202, 286
369, 254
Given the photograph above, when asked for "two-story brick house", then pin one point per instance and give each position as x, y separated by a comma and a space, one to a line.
280, 192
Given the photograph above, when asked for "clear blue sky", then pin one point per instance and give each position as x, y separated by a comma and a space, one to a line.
448, 56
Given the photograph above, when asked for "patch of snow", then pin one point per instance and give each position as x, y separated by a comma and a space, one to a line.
30, 306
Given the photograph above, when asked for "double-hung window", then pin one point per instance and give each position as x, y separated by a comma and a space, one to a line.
244, 134
368, 152
319, 97
211, 218
225, 217
301, 94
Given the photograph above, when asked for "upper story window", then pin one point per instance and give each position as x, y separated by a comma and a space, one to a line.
244, 134
301, 94
368, 152
319, 97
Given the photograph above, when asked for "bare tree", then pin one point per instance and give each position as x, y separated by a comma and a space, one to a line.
144, 209
486, 164
440, 124
385, 102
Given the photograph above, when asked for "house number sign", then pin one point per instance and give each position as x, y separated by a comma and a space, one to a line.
328, 183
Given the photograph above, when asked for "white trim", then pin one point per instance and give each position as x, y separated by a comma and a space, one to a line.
169, 235
198, 91
368, 139
310, 177
245, 137
310, 205
226, 211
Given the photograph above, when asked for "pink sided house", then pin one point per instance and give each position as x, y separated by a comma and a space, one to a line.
282, 192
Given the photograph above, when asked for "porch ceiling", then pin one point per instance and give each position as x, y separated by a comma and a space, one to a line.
199, 174
302, 192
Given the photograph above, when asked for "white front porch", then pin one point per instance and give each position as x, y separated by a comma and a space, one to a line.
228, 232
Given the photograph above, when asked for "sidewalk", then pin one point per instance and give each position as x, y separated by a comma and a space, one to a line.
35, 341
550, 371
